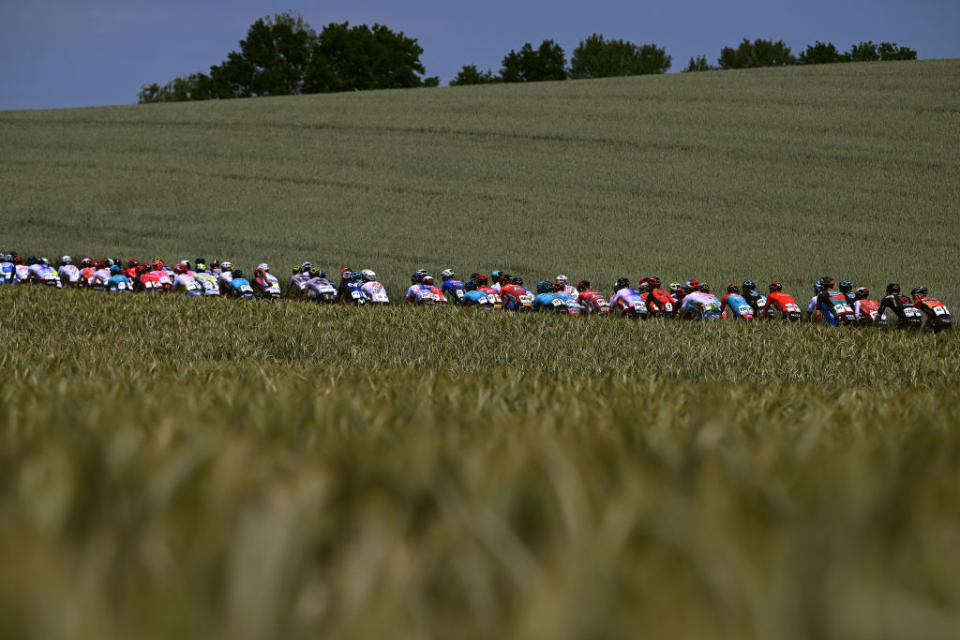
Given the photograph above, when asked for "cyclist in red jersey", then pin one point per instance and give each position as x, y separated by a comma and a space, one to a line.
867, 310
782, 303
938, 316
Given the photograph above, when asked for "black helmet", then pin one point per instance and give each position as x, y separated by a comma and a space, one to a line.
733, 287
544, 287
749, 285
846, 286
470, 284
518, 281
583, 285
862, 293
621, 283
200, 261
893, 287
920, 292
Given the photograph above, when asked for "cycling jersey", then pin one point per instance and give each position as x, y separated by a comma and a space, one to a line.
420, 294
477, 298
374, 292
188, 284
569, 301
240, 288
225, 278
593, 302
69, 274
321, 290
907, 315
544, 301
454, 290
754, 300
516, 297
783, 303
738, 306
208, 283
119, 284
569, 290
7, 273
866, 312
660, 302
298, 282
493, 295
938, 316
629, 302
833, 305
100, 277
698, 305
267, 283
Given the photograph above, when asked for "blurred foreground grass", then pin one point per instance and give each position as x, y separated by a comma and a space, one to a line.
205, 468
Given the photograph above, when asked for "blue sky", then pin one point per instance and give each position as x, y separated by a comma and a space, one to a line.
58, 53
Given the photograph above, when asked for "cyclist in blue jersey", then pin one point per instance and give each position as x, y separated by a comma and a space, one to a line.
739, 308
118, 282
474, 297
452, 289
544, 300
833, 304
239, 286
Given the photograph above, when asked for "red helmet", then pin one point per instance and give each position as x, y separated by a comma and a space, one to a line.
692, 285
655, 282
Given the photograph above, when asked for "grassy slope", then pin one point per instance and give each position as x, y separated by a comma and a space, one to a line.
173, 467
844, 169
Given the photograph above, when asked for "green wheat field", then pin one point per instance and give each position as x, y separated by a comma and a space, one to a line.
174, 467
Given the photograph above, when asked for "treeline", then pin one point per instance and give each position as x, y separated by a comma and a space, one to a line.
283, 55
766, 53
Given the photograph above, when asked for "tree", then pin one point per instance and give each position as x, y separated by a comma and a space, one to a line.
469, 74
355, 58
864, 52
699, 64
529, 65
821, 53
599, 58
759, 53
284, 56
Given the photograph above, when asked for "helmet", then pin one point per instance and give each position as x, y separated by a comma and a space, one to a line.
427, 279
692, 285
446, 274
775, 286
518, 280
201, 266
919, 292
470, 284
705, 287
893, 287
733, 287
862, 293
749, 285
827, 282
237, 273
644, 286
561, 278
181, 267
214, 264
63, 260
263, 266
544, 287
314, 272
495, 274
675, 287
368, 275
115, 269
846, 286
480, 279
583, 285
226, 265
132, 262
417, 277
200, 261
655, 282
621, 283
559, 286
306, 266
31, 260
817, 286
44, 261
356, 276
323, 273
296, 269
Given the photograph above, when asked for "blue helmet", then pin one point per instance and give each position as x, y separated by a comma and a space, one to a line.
544, 287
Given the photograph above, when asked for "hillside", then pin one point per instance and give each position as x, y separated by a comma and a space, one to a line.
773, 173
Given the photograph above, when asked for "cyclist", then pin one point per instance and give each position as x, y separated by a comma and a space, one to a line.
185, 280
753, 297
239, 286
627, 301
781, 302
938, 316
903, 308
207, 280
846, 288
7, 270
226, 276
492, 294
297, 286
546, 299
438, 296
736, 303
68, 272
562, 280
659, 302
475, 297
591, 301
419, 293
452, 289
866, 309
119, 282
833, 304
813, 313
319, 288
265, 283
516, 297
372, 290
699, 303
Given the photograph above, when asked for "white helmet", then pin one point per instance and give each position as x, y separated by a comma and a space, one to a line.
446, 273
561, 278
263, 266
66, 260
368, 275
226, 264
